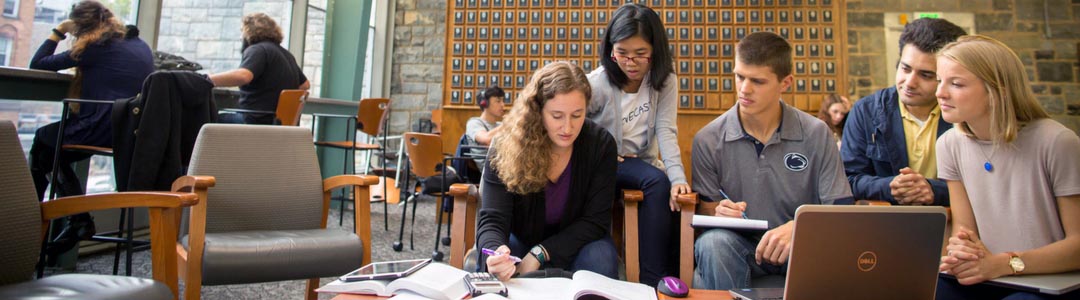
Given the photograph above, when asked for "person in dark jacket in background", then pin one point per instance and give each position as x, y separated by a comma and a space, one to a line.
110, 65
265, 69
549, 182
888, 141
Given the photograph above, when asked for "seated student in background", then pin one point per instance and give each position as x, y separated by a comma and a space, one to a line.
481, 129
770, 158
888, 141
634, 97
1013, 174
549, 182
833, 111
265, 69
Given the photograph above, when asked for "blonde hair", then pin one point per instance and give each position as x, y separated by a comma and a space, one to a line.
1012, 103
523, 148
259, 27
93, 22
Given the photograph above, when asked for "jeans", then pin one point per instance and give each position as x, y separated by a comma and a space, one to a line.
659, 252
949, 288
725, 260
598, 256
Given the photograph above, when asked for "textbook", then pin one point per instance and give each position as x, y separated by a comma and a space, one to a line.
584, 283
434, 281
730, 223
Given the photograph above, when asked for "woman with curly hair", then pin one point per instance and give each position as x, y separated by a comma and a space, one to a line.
549, 182
266, 68
110, 63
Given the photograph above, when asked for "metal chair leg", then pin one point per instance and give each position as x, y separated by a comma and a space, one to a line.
119, 233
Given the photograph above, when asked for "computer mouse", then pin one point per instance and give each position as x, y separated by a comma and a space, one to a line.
673, 287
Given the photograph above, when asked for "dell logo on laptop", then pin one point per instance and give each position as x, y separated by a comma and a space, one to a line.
867, 261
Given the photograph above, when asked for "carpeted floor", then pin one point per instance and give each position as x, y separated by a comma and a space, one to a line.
102, 262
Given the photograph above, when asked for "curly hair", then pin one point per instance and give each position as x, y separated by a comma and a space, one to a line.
93, 23
522, 156
259, 27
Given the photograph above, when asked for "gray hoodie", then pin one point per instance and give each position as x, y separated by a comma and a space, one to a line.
606, 110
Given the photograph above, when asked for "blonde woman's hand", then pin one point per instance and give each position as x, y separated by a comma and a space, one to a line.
66, 26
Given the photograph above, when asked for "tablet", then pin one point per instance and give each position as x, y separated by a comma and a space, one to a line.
386, 270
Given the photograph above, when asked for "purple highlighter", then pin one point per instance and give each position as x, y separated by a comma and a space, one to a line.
490, 252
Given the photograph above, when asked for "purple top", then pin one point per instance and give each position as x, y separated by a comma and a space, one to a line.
555, 196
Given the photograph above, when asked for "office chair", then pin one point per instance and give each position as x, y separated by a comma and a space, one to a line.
265, 220
24, 218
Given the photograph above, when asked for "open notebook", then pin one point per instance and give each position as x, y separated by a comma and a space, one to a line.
584, 283
434, 281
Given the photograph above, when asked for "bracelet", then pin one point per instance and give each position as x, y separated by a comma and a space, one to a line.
59, 34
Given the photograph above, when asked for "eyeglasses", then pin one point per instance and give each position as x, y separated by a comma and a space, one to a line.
641, 60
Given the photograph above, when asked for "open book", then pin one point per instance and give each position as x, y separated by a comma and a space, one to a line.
729, 223
434, 281
584, 283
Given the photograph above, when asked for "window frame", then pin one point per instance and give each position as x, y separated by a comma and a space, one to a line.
7, 52
14, 9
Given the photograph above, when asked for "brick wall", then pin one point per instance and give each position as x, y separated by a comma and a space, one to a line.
416, 77
1051, 62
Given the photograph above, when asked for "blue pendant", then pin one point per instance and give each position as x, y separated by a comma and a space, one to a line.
988, 167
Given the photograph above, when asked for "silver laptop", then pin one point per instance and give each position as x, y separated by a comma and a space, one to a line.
1052, 284
861, 252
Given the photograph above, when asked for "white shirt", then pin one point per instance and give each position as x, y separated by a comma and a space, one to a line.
635, 108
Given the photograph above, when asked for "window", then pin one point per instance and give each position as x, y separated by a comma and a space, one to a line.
5, 51
368, 61
208, 32
11, 8
313, 45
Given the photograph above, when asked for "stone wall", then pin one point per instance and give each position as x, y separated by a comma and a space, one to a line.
1051, 62
417, 72
208, 31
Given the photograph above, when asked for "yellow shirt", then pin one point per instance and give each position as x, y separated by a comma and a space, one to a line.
921, 141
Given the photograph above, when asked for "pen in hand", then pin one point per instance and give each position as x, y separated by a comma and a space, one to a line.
490, 252
722, 193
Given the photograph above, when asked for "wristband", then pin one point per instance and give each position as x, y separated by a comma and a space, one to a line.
59, 34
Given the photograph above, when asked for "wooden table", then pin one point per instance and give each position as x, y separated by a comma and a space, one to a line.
694, 295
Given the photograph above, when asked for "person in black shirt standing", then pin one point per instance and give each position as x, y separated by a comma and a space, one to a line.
265, 69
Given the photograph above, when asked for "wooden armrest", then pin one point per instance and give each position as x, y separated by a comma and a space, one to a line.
688, 203
633, 196
190, 183
873, 202
344, 180
67, 206
687, 199
463, 228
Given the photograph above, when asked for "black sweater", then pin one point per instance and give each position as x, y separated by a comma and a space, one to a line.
586, 217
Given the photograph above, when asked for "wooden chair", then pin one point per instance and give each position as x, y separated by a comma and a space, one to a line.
289, 109
122, 236
372, 118
428, 163
266, 198
624, 229
436, 121
25, 219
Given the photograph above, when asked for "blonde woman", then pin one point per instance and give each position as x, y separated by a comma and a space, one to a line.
266, 68
1013, 174
549, 182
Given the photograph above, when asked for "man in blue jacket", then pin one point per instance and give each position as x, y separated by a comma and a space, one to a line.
889, 138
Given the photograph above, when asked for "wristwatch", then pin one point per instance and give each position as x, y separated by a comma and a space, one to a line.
538, 252
1016, 263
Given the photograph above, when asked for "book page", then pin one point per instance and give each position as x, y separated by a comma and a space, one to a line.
730, 223
538, 288
366, 287
436, 281
589, 283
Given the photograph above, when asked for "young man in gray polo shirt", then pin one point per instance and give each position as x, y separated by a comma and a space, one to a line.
770, 158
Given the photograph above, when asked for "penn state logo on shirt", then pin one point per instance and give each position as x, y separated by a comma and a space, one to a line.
795, 162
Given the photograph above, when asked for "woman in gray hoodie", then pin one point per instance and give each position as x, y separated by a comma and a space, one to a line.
634, 96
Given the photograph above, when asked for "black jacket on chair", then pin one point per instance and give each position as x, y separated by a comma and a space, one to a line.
154, 132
